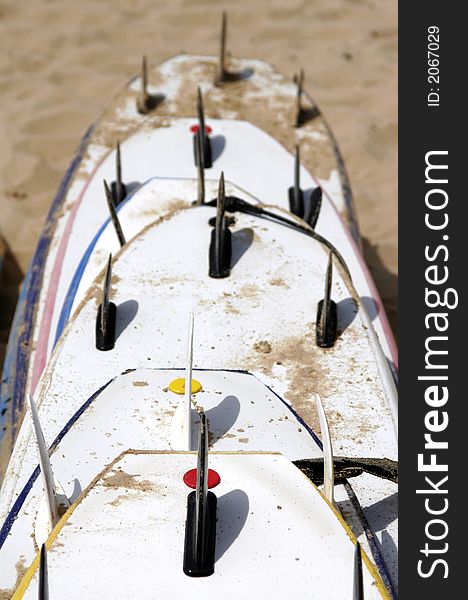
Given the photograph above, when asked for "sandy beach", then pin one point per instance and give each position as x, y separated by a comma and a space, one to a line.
62, 61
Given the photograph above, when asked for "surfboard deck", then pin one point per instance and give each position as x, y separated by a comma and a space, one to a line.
259, 322
264, 98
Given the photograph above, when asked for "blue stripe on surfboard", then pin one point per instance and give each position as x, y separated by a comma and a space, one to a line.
75, 282
9, 362
73, 287
16, 364
15, 510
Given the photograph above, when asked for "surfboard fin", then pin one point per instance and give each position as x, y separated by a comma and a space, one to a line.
358, 586
113, 215
43, 575
143, 100
223, 74
328, 474
222, 70
299, 80
312, 210
205, 140
200, 526
181, 424
106, 315
296, 195
220, 245
56, 503
118, 189
200, 169
326, 325
303, 113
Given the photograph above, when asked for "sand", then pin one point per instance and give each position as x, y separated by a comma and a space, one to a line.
62, 61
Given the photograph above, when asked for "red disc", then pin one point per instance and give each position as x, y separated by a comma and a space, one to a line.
190, 478
194, 129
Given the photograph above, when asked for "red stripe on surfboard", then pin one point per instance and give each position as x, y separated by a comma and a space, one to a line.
40, 355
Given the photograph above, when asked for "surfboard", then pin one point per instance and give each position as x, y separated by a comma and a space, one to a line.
228, 202
160, 143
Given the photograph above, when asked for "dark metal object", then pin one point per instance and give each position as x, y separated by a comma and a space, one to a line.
118, 189
326, 325
146, 102
43, 575
204, 139
234, 204
223, 75
358, 586
222, 71
296, 195
299, 79
200, 169
144, 99
303, 114
106, 316
200, 527
220, 244
113, 215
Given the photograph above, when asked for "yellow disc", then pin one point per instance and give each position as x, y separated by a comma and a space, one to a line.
178, 386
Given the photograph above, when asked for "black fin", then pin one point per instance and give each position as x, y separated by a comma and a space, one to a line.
205, 140
222, 70
200, 169
106, 316
326, 326
299, 79
43, 575
113, 214
223, 74
303, 114
220, 244
200, 526
143, 102
118, 189
358, 586
296, 195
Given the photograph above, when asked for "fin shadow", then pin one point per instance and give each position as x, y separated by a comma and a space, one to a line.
154, 100
233, 510
307, 114
241, 241
131, 187
77, 489
346, 313
382, 513
231, 76
347, 509
386, 282
370, 306
126, 312
388, 547
222, 417
218, 143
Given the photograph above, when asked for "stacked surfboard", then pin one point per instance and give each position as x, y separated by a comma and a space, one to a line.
199, 386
